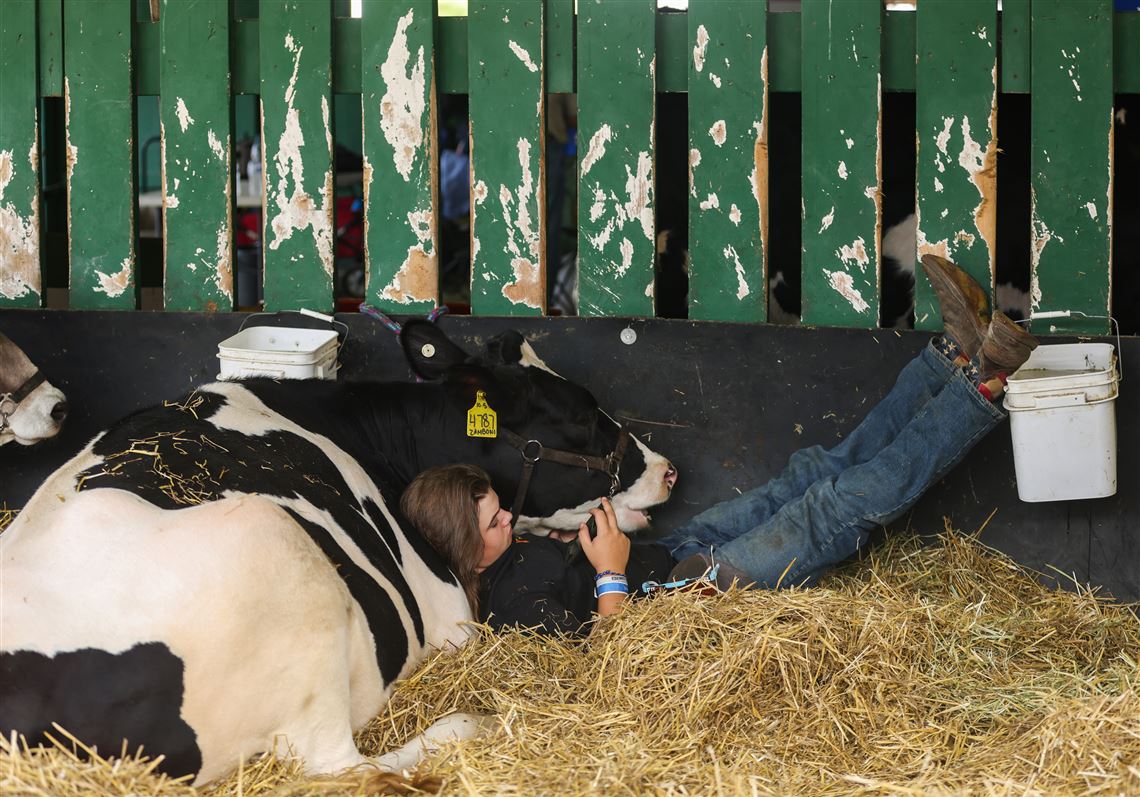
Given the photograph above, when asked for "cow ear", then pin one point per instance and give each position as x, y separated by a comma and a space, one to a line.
505, 348
428, 350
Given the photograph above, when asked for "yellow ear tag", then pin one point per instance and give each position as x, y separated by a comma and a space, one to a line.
481, 419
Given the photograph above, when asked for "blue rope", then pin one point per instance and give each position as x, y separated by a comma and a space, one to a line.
394, 325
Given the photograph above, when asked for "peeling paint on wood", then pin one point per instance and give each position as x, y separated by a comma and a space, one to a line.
296, 89
100, 110
20, 276
616, 83
956, 140
842, 150
400, 159
728, 142
196, 159
1071, 162
505, 60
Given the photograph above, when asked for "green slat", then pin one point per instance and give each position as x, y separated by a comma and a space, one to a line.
507, 144
196, 155
784, 66
1015, 46
1126, 47
1071, 158
401, 254
841, 148
100, 139
728, 161
346, 55
148, 57
20, 276
673, 45
898, 57
616, 52
784, 54
50, 29
956, 117
451, 55
559, 55
246, 70
296, 122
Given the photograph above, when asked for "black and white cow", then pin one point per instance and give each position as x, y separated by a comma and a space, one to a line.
31, 408
228, 574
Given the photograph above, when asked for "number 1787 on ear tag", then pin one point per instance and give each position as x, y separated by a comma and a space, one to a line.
481, 419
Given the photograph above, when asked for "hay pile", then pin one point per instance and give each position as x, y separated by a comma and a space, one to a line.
932, 671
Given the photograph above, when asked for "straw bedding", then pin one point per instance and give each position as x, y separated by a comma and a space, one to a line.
919, 671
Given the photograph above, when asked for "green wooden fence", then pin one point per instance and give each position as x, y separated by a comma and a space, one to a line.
98, 55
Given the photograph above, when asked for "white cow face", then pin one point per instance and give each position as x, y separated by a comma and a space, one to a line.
31, 408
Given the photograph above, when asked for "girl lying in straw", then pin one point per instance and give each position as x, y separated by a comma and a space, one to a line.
791, 530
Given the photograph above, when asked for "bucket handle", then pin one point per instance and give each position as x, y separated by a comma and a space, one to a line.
311, 314
1061, 401
1033, 315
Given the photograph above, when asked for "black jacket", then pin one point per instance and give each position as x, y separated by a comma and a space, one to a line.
549, 585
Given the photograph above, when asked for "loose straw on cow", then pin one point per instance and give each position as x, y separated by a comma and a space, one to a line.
919, 671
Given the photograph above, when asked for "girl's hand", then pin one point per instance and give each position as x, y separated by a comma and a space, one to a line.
610, 549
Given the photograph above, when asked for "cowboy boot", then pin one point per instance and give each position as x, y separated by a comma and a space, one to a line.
965, 309
1005, 347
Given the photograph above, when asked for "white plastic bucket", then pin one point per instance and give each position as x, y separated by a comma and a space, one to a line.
279, 353
1062, 418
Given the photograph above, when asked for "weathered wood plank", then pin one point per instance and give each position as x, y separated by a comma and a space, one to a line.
1016, 26
728, 161
559, 54
508, 209
956, 117
616, 84
400, 163
50, 35
196, 155
1071, 162
296, 110
100, 153
841, 167
21, 283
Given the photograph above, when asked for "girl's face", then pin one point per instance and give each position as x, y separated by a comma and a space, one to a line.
495, 526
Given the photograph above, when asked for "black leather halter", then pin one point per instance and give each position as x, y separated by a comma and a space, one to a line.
533, 451
9, 402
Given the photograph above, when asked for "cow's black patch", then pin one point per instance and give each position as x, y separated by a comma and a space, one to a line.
383, 619
103, 699
174, 456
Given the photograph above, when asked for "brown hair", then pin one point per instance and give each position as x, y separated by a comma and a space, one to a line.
442, 503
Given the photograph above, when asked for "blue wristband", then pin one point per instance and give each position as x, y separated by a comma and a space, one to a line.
606, 589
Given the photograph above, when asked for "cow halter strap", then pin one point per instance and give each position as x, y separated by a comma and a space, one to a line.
10, 401
532, 451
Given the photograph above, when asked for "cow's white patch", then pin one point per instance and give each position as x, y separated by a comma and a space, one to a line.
630, 505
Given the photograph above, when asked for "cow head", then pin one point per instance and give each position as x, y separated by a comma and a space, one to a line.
31, 409
539, 412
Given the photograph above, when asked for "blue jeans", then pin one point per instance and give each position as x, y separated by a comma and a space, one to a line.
821, 509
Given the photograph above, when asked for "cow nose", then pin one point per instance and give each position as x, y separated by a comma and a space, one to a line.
59, 411
670, 476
